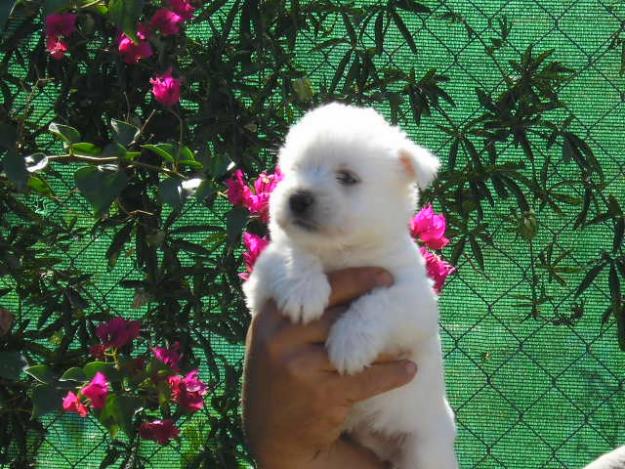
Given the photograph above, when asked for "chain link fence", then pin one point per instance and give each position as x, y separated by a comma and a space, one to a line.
531, 389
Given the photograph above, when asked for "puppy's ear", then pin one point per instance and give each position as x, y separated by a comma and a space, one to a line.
418, 164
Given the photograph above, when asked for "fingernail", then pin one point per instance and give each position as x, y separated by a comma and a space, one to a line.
384, 279
410, 368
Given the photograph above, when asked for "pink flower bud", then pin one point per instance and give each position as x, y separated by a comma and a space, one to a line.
437, 269
171, 356
255, 245
71, 403
132, 52
188, 392
118, 332
166, 88
60, 24
161, 431
56, 47
97, 390
183, 8
166, 21
430, 228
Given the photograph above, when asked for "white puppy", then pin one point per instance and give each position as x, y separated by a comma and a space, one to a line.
346, 200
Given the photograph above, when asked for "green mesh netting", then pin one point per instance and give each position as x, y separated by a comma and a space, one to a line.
527, 393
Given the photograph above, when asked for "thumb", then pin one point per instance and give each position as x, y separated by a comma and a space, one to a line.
377, 379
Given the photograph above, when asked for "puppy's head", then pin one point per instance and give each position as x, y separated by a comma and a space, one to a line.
349, 178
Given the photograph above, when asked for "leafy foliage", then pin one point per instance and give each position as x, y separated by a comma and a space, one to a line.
140, 165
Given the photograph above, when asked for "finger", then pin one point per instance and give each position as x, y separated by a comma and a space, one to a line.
349, 284
312, 333
313, 358
376, 379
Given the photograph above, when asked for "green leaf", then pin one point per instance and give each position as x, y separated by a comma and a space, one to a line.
123, 132
40, 185
41, 373
379, 32
74, 374
204, 190
8, 132
46, 399
5, 11
404, 31
64, 132
100, 186
117, 243
15, 169
86, 148
590, 276
411, 5
236, 219
164, 150
125, 14
170, 192
107, 368
12, 364
118, 413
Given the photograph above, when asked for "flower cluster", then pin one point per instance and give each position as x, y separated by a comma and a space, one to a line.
95, 392
165, 21
255, 199
158, 379
58, 27
429, 228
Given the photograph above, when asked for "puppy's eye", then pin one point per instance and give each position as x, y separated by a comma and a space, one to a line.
346, 178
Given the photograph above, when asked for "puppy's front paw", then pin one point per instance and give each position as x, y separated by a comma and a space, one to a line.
303, 299
352, 345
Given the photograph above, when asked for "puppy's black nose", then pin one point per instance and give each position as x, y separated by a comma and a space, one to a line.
300, 202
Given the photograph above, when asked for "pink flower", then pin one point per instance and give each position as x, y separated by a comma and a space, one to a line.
161, 431
60, 24
183, 8
97, 390
188, 392
171, 356
118, 332
166, 88
56, 47
258, 202
430, 228
132, 52
437, 269
255, 245
71, 403
166, 21
237, 191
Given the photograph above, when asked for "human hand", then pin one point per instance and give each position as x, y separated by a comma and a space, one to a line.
294, 400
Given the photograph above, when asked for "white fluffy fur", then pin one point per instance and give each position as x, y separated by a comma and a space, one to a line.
364, 224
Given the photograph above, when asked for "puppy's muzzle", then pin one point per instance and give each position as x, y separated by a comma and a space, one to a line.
301, 203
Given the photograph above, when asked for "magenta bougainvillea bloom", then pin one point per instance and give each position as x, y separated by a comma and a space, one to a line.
166, 21
182, 8
56, 47
437, 269
97, 390
171, 356
254, 245
237, 191
71, 403
161, 431
60, 24
256, 201
132, 52
189, 391
166, 88
118, 332
97, 351
430, 228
